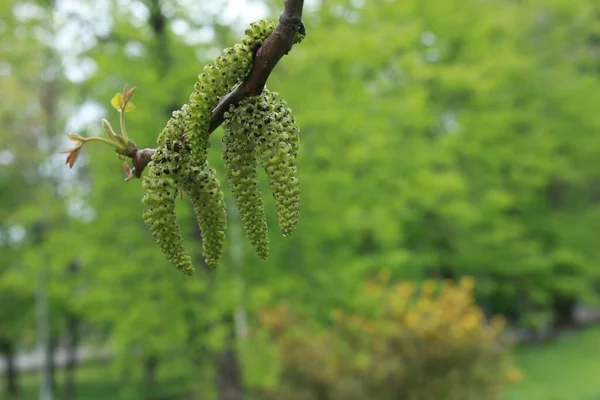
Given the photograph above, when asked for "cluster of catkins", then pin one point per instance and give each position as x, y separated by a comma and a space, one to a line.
260, 129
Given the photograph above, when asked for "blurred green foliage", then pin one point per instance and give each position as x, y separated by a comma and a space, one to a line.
438, 139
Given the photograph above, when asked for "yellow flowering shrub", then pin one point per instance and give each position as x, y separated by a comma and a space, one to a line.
424, 341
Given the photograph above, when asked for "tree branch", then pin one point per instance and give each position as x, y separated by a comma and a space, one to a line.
266, 58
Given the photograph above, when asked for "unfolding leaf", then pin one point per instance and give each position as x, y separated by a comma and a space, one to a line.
119, 103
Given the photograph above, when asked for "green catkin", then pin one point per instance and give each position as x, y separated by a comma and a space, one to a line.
159, 216
277, 138
240, 163
204, 191
162, 187
288, 123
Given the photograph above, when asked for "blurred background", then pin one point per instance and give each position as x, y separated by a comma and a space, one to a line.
448, 244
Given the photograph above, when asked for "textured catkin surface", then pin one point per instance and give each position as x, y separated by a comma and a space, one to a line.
159, 216
204, 191
277, 139
240, 162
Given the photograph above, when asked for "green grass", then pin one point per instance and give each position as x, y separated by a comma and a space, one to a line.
565, 369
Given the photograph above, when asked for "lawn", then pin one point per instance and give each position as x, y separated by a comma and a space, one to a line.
565, 369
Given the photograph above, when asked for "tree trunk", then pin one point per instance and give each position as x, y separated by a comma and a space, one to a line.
229, 375
160, 45
11, 374
563, 308
70, 387
321, 391
229, 381
51, 360
150, 367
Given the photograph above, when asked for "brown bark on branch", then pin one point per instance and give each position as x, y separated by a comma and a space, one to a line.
266, 58
139, 159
